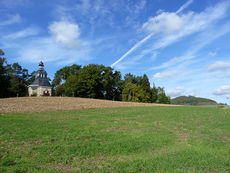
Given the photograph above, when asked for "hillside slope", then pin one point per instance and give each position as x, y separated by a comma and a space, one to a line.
42, 104
191, 100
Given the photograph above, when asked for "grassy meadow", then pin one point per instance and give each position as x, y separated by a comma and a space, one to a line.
135, 139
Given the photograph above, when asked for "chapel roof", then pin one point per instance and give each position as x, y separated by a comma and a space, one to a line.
41, 77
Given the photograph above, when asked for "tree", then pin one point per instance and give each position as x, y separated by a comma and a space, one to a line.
118, 86
142, 82
111, 84
31, 78
70, 87
13, 78
130, 78
4, 78
154, 94
62, 74
18, 80
162, 98
60, 78
90, 81
1, 52
134, 93
59, 90
145, 85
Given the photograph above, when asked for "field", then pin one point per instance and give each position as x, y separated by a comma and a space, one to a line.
126, 139
42, 104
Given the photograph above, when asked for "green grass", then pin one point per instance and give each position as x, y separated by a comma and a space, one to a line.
141, 139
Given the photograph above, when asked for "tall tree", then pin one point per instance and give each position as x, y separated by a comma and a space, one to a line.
154, 94
130, 78
13, 79
111, 83
134, 93
144, 83
70, 87
18, 80
4, 78
60, 78
31, 78
162, 98
62, 74
90, 81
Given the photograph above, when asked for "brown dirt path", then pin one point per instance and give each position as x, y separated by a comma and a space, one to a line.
42, 104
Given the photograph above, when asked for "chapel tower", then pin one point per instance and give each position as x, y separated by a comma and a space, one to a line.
41, 85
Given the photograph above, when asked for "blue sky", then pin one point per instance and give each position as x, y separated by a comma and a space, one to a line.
182, 45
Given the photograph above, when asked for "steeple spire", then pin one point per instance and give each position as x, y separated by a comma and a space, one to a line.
41, 65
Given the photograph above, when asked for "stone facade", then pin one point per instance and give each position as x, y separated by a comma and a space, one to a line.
41, 85
40, 91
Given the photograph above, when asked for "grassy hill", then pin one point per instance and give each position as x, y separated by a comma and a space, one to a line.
191, 100
134, 139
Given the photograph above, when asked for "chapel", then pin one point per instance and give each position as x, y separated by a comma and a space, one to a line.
41, 85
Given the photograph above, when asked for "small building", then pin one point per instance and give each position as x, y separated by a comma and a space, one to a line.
41, 85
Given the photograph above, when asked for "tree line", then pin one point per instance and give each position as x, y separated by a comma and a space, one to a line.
90, 81
101, 82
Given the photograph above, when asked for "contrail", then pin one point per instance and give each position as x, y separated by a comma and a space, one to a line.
184, 6
147, 37
132, 49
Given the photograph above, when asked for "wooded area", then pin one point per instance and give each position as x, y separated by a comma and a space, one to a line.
91, 81
14, 79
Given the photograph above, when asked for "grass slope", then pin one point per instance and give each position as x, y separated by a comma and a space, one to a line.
140, 139
191, 100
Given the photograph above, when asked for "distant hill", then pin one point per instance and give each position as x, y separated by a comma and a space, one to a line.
191, 100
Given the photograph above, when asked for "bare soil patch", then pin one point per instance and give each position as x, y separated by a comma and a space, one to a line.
42, 104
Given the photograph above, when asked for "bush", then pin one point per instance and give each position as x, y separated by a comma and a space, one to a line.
34, 95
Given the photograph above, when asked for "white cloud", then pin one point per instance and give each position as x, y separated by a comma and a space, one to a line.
165, 74
227, 75
166, 22
61, 46
66, 33
153, 56
12, 19
140, 6
212, 53
171, 62
46, 49
22, 33
203, 39
178, 91
219, 65
84, 6
223, 90
185, 23
4, 4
